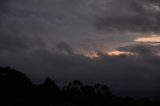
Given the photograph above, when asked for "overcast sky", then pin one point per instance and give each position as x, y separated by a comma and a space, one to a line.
58, 38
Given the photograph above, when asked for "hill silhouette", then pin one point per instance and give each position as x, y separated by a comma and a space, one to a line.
16, 89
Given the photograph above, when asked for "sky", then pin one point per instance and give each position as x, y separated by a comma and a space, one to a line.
114, 42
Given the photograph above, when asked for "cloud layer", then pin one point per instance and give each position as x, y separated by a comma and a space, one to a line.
48, 37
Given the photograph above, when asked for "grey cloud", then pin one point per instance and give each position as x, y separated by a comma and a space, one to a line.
52, 21
17, 34
40, 23
149, 53
142, 48
62, 46
131, 18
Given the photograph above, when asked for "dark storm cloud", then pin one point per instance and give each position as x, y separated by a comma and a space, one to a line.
14, 36
2, 3
139, 16
147, 52
141, 49
30, 22
62, 46
18, 32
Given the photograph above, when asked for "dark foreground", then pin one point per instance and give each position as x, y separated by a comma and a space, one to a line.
17, 90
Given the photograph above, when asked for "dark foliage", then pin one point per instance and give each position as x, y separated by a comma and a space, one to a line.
17, 90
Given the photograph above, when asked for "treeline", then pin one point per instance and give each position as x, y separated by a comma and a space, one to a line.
17, 90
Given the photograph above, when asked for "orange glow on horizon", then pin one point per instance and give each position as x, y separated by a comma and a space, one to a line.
151, 39
116, 53
92, 55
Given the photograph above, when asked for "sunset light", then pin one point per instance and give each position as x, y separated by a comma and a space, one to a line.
92, 55
152, 39
116, 53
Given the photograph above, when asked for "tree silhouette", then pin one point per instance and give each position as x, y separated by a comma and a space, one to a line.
14, 85
10, 78
48, 92
102, 89
74, 87
17, 90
